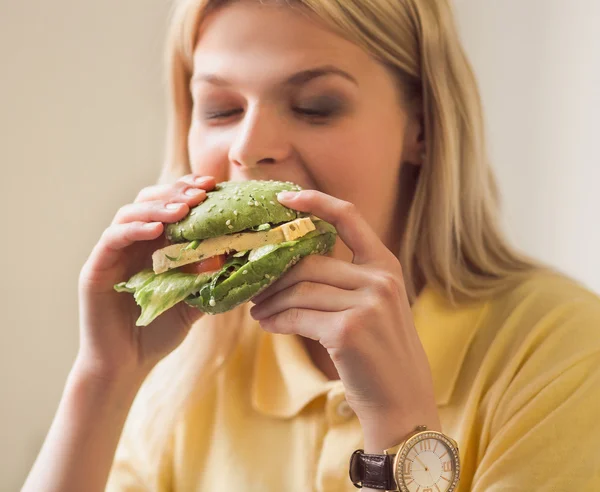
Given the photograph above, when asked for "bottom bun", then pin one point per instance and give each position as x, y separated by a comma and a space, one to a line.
255, 276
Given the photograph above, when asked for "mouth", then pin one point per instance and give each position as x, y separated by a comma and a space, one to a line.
287, 177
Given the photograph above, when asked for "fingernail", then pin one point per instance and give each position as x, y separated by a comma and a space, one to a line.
174, 206
193, 192
151, 225
203, 179
287, 195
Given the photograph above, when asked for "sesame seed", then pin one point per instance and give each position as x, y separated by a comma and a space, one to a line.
250, 203
244, 272
230, 226
272, 202
212, 302
220, 210
267, 275
235, 212
256, 203
228, 222
262, 197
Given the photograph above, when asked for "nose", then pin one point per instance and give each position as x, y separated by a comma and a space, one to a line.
261, 138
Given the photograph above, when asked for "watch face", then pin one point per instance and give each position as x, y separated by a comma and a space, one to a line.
427, 463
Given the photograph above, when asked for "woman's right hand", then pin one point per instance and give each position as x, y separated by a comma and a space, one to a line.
110, 342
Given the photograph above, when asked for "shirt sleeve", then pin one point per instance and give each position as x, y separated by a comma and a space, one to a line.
545, 432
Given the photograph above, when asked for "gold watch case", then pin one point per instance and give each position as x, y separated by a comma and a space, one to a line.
402, 469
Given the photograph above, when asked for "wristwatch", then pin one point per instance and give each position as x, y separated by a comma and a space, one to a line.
426, 461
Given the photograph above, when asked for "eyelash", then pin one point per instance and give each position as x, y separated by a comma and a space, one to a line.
222, 114
306, 112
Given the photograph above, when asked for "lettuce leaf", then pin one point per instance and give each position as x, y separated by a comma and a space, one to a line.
155, 294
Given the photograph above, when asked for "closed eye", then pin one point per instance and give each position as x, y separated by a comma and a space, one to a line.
322, 113
212, 115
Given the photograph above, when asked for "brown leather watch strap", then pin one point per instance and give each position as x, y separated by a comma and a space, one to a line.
372, 470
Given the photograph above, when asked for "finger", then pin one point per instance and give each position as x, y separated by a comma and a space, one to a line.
182, 189
108, 251
352, 228
319, 269
155, 211
306, 295
316, 325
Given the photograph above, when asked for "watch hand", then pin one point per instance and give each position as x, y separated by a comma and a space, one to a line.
424, 465
426, 468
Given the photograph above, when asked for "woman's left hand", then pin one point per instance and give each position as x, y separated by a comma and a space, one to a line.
360, 313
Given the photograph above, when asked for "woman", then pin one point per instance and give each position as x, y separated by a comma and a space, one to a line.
423, 314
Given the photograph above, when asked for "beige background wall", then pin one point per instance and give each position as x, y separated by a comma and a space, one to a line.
81, 129
538, 62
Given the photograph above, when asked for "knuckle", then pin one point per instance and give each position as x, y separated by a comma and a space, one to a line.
85, 279
303, 289
347, 208
122, 213
369, 308
107, 232
159, 191
182, 184
186, 178
385, 285
349, 329
293, 316
107, 237
145, 193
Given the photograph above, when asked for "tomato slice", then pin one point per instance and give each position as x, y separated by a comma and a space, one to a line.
211, 264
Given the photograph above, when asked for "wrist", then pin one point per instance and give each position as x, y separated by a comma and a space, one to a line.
121, 385
386, 432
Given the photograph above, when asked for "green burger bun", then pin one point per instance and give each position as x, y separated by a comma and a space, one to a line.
241, 222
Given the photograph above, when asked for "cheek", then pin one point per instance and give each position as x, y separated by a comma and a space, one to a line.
353, 159
208, 155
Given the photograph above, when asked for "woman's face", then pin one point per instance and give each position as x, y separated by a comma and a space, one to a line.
278, 96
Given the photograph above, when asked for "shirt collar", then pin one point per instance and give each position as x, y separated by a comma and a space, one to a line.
285, 380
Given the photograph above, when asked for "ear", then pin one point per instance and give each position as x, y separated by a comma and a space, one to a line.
413, 150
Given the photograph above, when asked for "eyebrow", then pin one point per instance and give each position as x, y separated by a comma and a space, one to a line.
296, 79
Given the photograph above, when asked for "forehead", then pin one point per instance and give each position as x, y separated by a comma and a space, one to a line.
247, 36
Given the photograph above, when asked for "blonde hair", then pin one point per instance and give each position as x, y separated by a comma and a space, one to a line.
452, 237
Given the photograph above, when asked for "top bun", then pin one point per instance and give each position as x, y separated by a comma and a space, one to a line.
234, 206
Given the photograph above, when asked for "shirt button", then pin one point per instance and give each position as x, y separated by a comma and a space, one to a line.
344, 409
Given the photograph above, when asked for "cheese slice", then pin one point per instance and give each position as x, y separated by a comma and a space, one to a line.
242, 241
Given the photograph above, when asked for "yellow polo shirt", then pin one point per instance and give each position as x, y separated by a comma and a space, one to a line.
517, 382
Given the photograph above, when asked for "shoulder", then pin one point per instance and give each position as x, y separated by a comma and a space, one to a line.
539, 379
545, 328
547, 299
